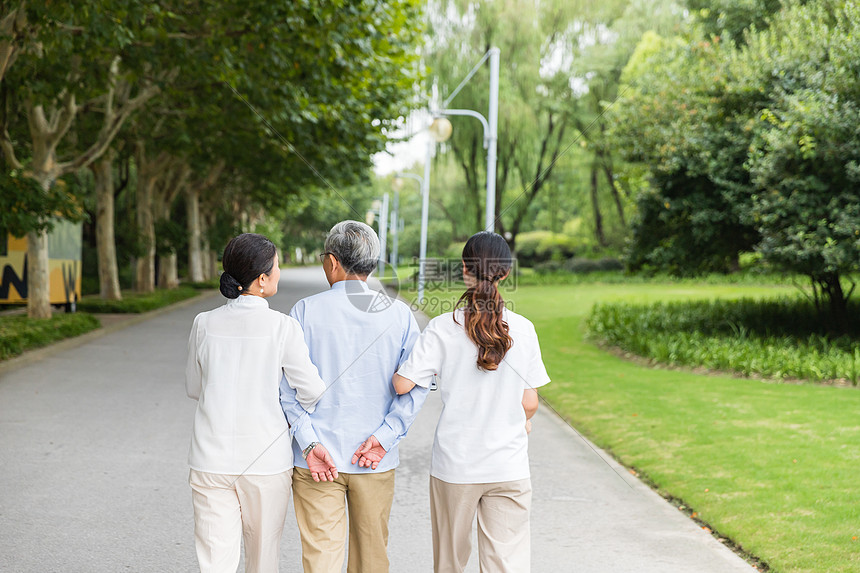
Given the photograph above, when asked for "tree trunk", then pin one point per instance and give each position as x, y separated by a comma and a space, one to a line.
38, 271
168, 273
145, 271
610, 178
213, 264
38, 282
105, 241
595, 205
830, 287
195, 254
205, 248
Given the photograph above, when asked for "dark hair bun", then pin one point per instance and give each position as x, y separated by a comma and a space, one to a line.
230, 287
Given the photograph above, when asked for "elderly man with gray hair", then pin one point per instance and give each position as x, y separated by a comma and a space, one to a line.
345, 451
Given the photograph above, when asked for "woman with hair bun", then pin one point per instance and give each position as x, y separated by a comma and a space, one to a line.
487, 362
240, 456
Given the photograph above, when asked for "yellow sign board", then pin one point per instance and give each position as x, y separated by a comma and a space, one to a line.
64, 265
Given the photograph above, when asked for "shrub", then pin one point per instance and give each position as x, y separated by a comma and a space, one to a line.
781, 338
541, 246
547, 267
137, 302
455, 250
580, 265
20, 333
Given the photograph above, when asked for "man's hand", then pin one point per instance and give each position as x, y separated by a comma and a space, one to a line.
369, 454
321, 465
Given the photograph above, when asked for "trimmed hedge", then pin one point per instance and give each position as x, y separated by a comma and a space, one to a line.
137, 302
782, 338
20, 333
578, 265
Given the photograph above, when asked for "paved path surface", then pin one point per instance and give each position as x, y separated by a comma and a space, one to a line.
93, 474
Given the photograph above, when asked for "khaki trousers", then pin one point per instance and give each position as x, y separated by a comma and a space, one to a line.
504, 543
229, 508
321, 510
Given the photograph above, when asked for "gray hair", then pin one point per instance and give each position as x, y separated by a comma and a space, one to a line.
355, 245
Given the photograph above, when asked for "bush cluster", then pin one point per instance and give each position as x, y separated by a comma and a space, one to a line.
782, 338
137, 302
20, 333
542, 246
579, 265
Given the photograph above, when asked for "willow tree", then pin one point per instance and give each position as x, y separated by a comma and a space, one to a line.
561, 63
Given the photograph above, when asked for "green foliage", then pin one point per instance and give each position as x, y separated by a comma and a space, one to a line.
25, 206
170, 237
582, 265
732, 19
137, 302
455, 250
774, 338
558, 74
750, 144
677, 120
804, 158
19, 333
542, 246
205, 285
439, 238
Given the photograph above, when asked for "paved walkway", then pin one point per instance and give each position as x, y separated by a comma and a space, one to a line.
93, 475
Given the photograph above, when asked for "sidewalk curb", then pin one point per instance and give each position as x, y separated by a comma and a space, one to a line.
37, 354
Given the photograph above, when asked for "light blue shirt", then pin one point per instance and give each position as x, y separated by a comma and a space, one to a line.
357, 341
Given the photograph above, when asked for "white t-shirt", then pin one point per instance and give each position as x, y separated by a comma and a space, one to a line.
236, 356
481, 435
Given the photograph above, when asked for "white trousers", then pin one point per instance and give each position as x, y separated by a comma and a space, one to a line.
504, 540
230, 508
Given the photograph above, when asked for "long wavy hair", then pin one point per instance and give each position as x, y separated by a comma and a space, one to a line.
486, 258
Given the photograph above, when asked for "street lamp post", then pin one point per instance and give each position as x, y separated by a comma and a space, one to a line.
383, 234
435, 136
395, 230
491, 130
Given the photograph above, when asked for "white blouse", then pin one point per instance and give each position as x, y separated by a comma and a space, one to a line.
236, 356
481, 435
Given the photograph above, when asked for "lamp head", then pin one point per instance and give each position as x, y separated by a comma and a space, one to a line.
440, 130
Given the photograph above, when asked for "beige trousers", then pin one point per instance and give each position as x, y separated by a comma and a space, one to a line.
229, 508
504, 543
321, 510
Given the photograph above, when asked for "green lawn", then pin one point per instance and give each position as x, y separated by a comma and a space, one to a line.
769, 466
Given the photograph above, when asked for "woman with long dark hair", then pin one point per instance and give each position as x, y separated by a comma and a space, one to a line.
240, 457
487, 362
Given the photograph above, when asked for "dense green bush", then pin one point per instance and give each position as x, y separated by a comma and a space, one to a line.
19, 333
783, 338
205, 285
455, 250
137, 302
579, 265
541, 246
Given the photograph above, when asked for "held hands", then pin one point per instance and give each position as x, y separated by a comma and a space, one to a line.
369, 454
321, 465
